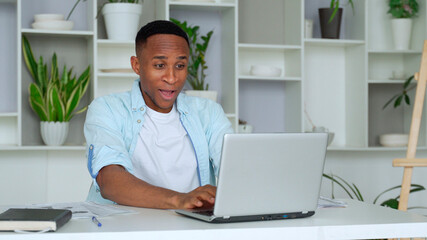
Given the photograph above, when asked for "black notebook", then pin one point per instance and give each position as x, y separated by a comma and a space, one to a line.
27, 219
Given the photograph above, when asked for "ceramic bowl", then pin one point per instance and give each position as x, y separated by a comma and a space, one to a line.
54, 25
48, 17
394, 140
265, 71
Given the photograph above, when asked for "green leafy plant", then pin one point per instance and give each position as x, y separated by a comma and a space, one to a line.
197, 64
335, 4
403, 8
74, 7
354, 193
55, 97
402, 95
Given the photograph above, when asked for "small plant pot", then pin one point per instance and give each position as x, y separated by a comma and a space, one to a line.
402, 29
330, 29
212, 95
122, 20
54, 133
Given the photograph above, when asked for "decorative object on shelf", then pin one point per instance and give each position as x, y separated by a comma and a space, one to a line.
54, 98
122, 18
394, 140
318, 129
330, 19
331, 135
308, 28
244, 127
197, 63
354, 193
397, 75
403, 95
402, 11
265, 71
51, 22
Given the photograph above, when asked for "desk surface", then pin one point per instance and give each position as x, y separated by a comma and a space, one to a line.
357, 221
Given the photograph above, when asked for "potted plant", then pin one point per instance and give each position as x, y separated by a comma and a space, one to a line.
197, 63
402, 11
330, 19
121, 18
354, 193
54, 98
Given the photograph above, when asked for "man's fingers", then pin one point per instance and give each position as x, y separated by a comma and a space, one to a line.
209, 188
206, 196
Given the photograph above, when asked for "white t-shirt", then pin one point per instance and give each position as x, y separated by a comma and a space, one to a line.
164, 155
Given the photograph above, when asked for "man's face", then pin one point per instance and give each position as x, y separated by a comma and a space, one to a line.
162, 68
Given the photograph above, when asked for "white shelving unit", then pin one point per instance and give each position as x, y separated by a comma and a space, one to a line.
350, 75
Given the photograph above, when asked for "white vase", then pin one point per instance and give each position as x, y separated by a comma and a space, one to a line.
54, 133
212, 95
122, 20
402, 29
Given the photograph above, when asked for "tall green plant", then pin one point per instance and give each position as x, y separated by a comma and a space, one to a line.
197, 63
55, 97
354, 193
402, 95
335, 5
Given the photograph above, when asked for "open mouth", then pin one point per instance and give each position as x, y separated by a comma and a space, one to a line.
167, 94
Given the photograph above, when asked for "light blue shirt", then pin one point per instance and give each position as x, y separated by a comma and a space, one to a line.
113, 123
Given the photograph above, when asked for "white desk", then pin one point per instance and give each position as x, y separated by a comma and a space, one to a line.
357, 221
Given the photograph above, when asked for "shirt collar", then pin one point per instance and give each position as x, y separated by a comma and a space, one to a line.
138, 100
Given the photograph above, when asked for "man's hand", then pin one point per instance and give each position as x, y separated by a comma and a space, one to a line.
201, 197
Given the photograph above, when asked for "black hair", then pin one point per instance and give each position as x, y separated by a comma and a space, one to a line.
158, 27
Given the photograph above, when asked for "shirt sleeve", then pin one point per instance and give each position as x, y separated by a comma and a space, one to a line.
220, 125
105, 142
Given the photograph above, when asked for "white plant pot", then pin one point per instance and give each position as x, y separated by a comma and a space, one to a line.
54, 133
212, 95
402, 31
122, 20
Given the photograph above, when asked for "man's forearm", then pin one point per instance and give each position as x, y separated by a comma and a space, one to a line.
123, 188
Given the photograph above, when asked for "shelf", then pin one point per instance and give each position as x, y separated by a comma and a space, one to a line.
9, 114
332, 42
387, 81
200, 6
115, 43
71, 33
394, 52
269, 46
117, 75
258, 78
41, 148
372, 149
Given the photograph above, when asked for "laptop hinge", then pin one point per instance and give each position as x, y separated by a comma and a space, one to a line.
226, 217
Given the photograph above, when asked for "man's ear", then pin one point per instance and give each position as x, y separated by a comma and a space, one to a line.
135, 64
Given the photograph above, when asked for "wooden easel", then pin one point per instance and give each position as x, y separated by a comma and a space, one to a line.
410, 161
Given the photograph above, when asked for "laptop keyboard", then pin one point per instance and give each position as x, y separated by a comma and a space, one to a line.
205, 212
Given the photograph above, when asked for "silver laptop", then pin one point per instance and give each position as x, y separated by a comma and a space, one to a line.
267, 176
